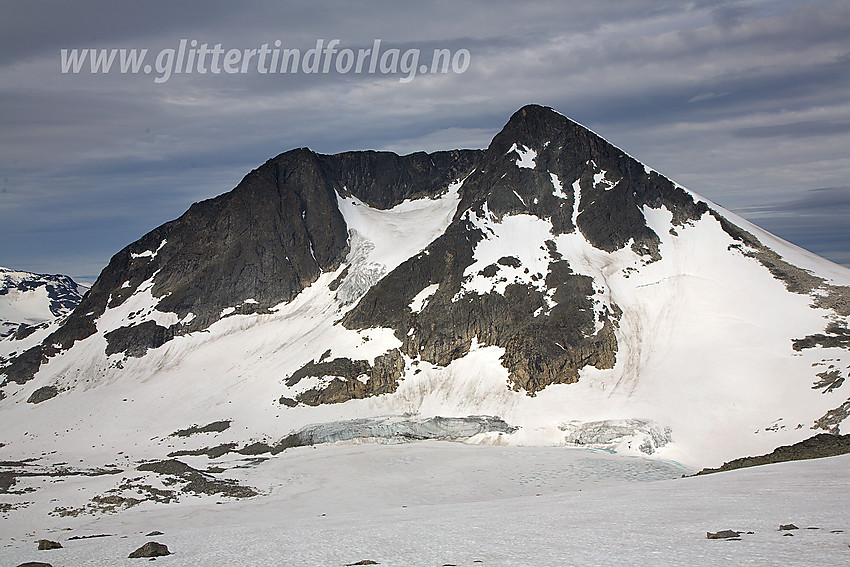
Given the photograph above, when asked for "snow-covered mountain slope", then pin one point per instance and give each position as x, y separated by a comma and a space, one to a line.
31, 299
551, 281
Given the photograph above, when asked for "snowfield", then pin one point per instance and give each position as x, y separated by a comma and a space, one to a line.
437, 503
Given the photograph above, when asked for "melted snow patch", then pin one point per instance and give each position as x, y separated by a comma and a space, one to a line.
421, 299
526, 156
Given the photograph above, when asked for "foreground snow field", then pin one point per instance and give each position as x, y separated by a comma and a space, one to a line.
439, 503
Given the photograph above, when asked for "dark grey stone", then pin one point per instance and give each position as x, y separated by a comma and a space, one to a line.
44, 544
150, 549
722, 534
43, 394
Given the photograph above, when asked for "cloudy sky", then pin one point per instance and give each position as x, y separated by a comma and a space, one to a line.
746, 103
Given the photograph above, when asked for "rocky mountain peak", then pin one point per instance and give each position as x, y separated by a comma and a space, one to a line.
550, 279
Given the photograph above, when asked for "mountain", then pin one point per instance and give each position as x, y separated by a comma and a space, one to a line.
549, 290
28, 300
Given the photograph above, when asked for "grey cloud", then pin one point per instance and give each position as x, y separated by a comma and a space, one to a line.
795, 130
834, 201
819, 220
691, 88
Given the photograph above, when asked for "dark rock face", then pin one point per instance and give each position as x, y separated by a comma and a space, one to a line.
835, 336
135, 340
831, 420
609, 216
353, 379
24, 366
384, 179
150, 549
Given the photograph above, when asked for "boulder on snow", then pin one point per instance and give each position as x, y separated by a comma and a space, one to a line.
47, 544
35, 564
786, 527
43, 394
722, 534
150, 549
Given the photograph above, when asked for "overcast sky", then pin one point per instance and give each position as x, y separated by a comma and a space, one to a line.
746, 103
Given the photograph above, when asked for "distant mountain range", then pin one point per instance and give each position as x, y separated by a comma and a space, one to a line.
32, 299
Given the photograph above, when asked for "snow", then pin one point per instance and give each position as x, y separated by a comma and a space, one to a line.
437, 503
576, 202
559, 189
404, 230
136, 309
800, 257
526, 156
30, 307
517, 236
149, 253
600, 180
420, 300
233, 370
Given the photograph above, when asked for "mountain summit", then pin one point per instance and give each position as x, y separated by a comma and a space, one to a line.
547, 290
